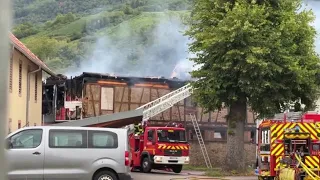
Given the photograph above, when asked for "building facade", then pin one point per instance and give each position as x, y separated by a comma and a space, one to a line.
25, 87
93, 94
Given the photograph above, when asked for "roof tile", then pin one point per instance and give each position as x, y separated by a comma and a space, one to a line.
23, 49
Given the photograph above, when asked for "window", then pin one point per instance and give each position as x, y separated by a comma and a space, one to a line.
171, 135
315, 147
36, 87
265, 136
11, 70
67, 138
103, 139
26, 139
151, 135
20, 77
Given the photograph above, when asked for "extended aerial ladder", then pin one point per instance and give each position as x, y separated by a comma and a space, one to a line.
165, 102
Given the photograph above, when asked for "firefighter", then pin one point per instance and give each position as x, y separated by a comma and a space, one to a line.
138, 130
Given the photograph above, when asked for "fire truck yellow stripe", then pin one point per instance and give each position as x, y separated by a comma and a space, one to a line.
311, 130
276, 128
278, 161
312, 161
172, 147
314, 126
276, 149
304, 129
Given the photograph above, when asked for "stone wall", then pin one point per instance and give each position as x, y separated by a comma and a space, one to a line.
217, 153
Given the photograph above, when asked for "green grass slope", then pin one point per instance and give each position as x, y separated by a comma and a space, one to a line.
66, 45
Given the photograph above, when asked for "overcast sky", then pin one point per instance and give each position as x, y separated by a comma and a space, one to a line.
315, 6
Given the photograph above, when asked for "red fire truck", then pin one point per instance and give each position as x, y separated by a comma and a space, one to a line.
289, 147
160, 148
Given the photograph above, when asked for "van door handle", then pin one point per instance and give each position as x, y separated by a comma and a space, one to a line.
36, 153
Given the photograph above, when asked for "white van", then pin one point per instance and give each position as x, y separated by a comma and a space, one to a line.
73, 153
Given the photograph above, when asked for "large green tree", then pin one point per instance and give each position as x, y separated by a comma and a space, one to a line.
257, 53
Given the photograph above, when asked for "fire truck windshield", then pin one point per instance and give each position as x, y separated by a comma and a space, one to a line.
171, 135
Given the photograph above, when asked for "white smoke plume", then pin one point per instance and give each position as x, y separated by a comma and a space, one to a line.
168, 51
167, 55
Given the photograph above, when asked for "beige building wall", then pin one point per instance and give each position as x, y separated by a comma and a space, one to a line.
20, 65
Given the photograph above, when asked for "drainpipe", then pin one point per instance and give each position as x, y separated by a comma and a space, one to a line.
28, 93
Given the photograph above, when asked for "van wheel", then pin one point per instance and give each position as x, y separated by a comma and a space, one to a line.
177, 168
105, 175
146, 165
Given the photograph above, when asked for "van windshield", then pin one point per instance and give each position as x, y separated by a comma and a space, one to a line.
171, 135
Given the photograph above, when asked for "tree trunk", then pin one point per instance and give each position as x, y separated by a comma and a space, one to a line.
235, 136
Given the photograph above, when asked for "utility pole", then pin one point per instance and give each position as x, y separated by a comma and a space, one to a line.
5, 19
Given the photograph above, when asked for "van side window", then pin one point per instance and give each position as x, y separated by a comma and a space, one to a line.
103, 139
66, 138
26, 139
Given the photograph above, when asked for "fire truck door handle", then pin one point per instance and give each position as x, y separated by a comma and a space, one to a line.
36, 153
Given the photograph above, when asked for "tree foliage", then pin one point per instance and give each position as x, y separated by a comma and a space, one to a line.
258, 53
25, 30
37, 11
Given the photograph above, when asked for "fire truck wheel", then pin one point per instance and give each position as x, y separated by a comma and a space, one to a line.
146, 165
105, 175
177, 168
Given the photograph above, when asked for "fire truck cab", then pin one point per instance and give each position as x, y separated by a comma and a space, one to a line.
160, 148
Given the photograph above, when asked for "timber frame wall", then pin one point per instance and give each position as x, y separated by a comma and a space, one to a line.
104, 94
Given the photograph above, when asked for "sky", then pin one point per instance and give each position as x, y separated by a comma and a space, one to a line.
314, 5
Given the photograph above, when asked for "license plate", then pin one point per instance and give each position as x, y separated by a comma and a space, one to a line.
173, 158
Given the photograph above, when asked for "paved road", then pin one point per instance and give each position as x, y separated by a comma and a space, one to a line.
162, 175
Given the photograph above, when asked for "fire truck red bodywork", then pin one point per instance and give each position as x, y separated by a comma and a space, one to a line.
157, 151
267, 152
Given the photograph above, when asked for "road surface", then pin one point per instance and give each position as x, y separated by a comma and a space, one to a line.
185, 175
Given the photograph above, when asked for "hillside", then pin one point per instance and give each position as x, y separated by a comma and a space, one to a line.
137, 37
125, 37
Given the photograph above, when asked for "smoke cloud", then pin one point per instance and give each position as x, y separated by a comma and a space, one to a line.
166, 51
165, 55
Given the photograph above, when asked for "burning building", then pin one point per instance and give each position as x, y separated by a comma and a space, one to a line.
93, 94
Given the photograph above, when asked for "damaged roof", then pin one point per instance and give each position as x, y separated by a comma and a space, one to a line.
174, 82
24, 50
115, 120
